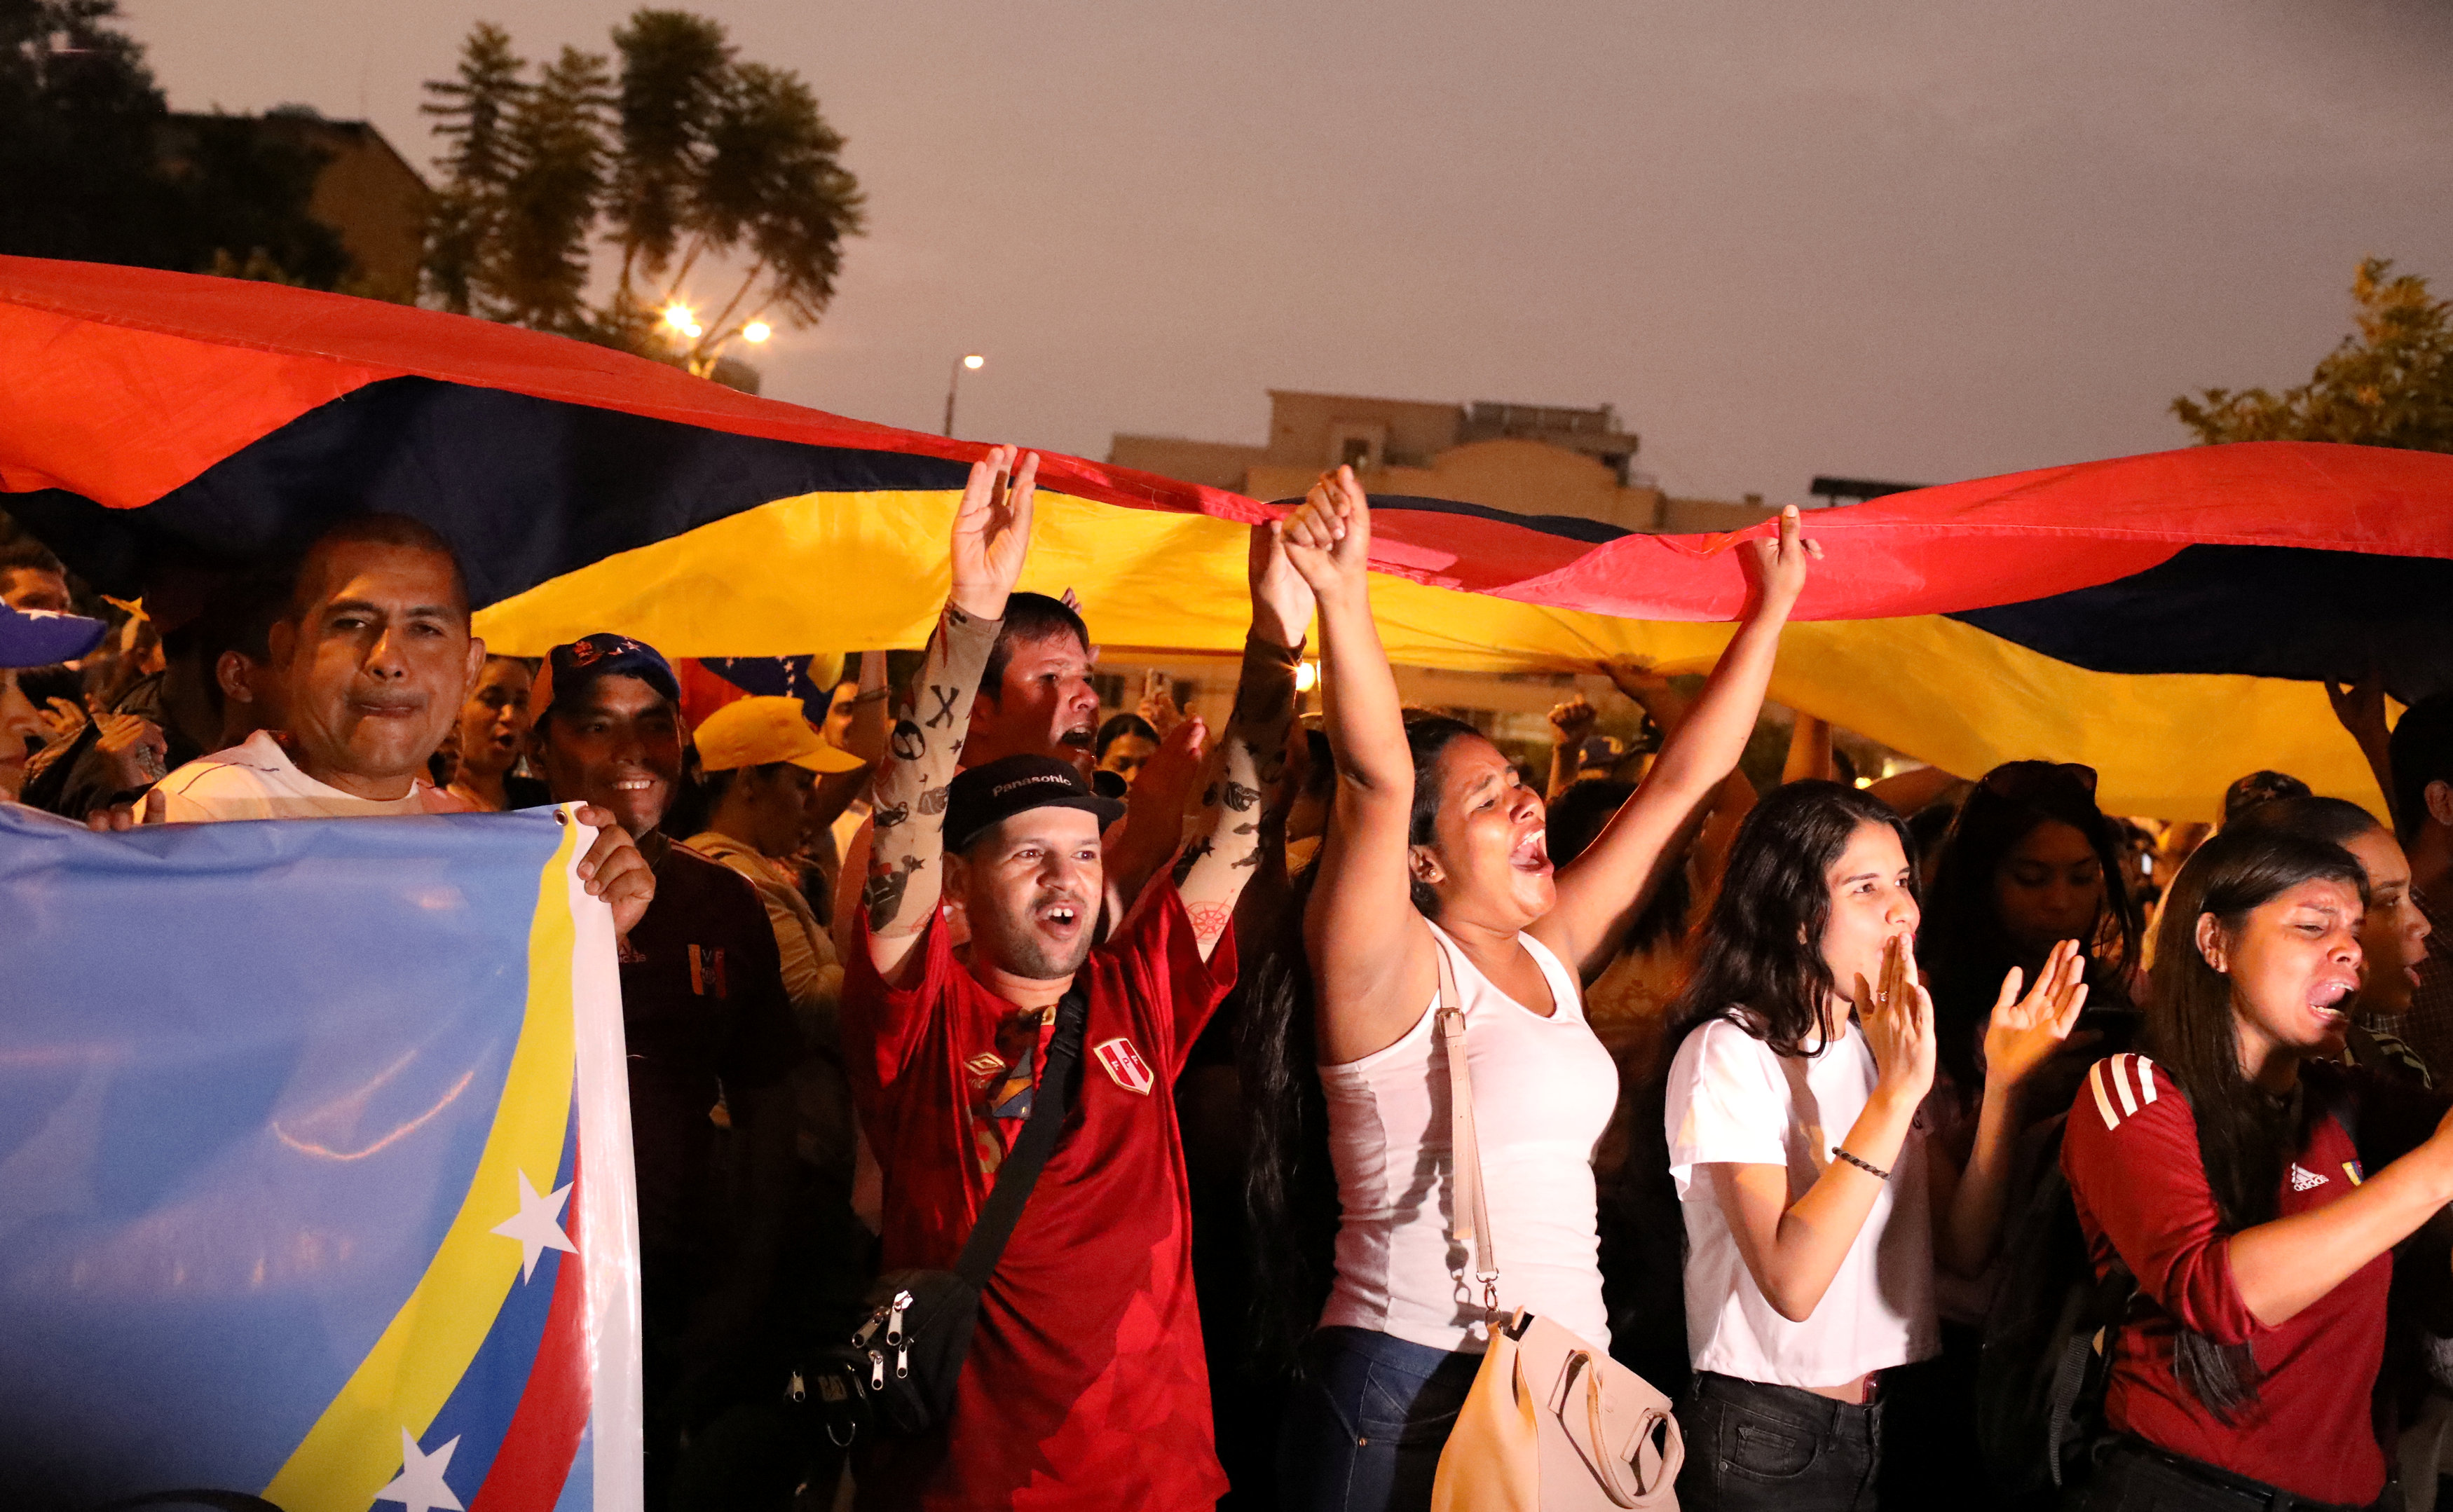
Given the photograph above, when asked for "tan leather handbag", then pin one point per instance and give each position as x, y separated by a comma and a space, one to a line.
1553, 1423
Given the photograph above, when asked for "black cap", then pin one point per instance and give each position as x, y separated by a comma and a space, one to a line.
992, 794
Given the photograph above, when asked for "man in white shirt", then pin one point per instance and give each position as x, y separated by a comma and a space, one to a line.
375, 658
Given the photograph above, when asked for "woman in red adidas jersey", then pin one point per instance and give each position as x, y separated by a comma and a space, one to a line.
2220, 1167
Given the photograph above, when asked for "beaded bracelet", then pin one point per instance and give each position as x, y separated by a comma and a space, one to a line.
1867, 1167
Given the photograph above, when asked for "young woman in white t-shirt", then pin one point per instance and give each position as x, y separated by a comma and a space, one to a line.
1436, 849
1815, 1209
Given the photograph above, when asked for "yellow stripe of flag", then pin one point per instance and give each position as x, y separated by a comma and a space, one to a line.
354, 1450
859, 572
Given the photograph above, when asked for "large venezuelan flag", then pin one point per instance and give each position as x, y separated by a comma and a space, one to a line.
2161, 618
314, 1168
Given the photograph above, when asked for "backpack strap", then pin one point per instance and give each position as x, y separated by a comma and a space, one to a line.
2095, 1331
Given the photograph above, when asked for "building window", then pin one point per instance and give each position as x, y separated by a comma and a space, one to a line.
1360, 445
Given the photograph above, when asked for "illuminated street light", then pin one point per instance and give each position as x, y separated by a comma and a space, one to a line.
970, 360
693, 330
756, 331
679, 317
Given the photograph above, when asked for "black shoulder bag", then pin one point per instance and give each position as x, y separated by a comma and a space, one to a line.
896, 1373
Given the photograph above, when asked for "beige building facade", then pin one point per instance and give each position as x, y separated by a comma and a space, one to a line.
1526, 459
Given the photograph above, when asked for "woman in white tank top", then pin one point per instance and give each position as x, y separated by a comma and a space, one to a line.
1435, 845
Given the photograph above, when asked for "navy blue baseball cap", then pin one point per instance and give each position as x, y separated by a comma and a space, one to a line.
41, 637
568, 668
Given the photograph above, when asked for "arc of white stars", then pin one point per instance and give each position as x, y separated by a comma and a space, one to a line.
538, 1224
420, 1486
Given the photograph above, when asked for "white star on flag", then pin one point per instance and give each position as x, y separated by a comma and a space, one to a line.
538, 1226
419, 1486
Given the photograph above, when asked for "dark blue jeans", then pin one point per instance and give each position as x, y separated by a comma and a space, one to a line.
1776, 1448
1364, 1429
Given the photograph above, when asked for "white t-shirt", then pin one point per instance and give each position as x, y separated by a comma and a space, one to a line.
1542, 1092
257, 780
1732, 1100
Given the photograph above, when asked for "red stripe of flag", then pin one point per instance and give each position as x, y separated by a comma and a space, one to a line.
543, 1438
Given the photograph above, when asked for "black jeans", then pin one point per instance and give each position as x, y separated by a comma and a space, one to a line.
2134, 1477
1753, 1446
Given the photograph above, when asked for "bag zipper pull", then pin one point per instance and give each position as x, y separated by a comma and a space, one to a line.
894, 1318
797, 1391
876, 1370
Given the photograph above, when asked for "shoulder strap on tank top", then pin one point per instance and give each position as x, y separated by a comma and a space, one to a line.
1469, 1221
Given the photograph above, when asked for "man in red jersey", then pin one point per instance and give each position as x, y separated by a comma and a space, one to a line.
1085, 1385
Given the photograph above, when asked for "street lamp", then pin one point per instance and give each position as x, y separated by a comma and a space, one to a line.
971, 360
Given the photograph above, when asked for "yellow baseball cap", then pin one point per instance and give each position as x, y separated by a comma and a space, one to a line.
760, 731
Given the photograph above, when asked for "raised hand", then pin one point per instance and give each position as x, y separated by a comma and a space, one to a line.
1896, 1016
2025, 1031
1639, 679
1328, 539
1572, 721
992, 532
62, 719
1158, 706
1779, 566
2360, 705
1281, 601
1166, 781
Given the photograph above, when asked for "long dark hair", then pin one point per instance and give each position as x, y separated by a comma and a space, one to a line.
1427, 738
1961, 944
1289, 1185
2246, 1134
1760, 958
1759, 963
1578, 818
2335, 821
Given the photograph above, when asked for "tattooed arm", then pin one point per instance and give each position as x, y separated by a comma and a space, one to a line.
1250, 754
907, 849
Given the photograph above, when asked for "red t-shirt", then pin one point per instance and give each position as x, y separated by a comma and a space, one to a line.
2131, 1154
1085, 1385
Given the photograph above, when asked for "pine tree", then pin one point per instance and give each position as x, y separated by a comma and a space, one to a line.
556, 146
473, 112
695, 165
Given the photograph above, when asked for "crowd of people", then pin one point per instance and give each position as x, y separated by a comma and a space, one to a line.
1928, 1141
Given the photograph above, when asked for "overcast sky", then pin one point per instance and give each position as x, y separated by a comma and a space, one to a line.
1913, 241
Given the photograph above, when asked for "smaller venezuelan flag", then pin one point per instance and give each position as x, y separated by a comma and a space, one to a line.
314, 1168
